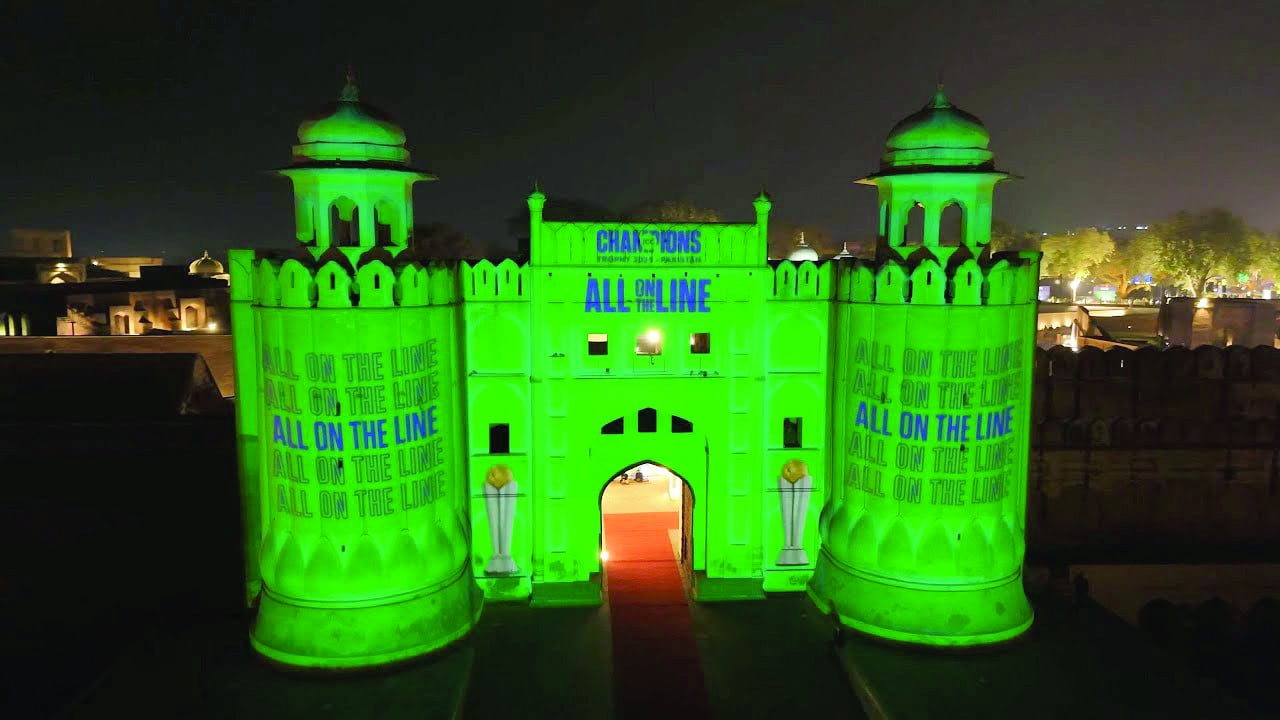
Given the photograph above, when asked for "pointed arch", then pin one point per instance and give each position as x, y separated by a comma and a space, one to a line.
344, 223
951, 224
913, 228
386, 225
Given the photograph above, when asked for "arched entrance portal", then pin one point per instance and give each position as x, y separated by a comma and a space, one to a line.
672, 440
646, 514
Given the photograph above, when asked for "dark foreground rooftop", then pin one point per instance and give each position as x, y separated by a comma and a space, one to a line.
775, 658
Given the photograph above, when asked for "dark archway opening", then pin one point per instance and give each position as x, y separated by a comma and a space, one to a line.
659, 503
951, 226
344, 223
913, 231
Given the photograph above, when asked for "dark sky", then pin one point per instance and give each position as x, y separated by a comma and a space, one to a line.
148, 128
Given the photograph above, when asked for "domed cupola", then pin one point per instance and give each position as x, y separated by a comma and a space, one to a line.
935, 183
205, 266
802, 251
352, 181
938, 135
350, 130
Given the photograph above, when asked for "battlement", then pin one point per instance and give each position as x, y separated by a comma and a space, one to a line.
375, 280
804, 280
1000, 279
483, 280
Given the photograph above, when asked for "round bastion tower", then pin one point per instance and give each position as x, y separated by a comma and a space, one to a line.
348, 412
923, 537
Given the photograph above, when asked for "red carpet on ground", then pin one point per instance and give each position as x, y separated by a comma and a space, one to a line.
656, 670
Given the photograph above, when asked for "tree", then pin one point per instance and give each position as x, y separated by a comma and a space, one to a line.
1072, 254
1007, 237
1264, 257
1192, 248
670, 211
1131, 258
442, 240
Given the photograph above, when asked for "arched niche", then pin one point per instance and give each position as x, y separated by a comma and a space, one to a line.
913, 227
344, 223
951, 225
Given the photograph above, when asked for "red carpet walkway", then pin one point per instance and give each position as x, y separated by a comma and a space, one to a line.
656, 671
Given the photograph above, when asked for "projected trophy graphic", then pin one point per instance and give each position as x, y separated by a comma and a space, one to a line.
794, 488
500, 504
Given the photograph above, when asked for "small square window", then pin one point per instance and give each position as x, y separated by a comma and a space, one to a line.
499, 439
649, 344
700, 343
597, 344
792, 436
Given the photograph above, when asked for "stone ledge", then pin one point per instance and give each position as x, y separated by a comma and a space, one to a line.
707, 589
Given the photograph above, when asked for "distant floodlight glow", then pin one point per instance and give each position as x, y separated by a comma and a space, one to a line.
653, 336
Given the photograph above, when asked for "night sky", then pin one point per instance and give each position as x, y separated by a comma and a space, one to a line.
151, 129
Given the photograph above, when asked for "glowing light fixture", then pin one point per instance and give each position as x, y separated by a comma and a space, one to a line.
604, 556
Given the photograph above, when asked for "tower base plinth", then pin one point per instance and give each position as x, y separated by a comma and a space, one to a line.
347, 636
921, 614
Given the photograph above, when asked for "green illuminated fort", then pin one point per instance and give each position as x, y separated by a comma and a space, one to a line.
420, 438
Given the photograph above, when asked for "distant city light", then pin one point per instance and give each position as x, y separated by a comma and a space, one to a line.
213, 326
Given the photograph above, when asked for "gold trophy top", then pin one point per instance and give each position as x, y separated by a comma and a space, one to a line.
793, 470
498, 476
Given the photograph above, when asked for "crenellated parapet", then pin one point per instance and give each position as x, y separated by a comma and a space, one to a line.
332, 280
804, 280
484, 281
998, 279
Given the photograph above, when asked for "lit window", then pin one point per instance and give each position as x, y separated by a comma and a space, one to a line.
791, 432
499, 439
597, 344
649, 343
648, 420
700, 343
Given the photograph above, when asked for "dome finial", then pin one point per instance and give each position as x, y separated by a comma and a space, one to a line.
350, 93
940, 97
